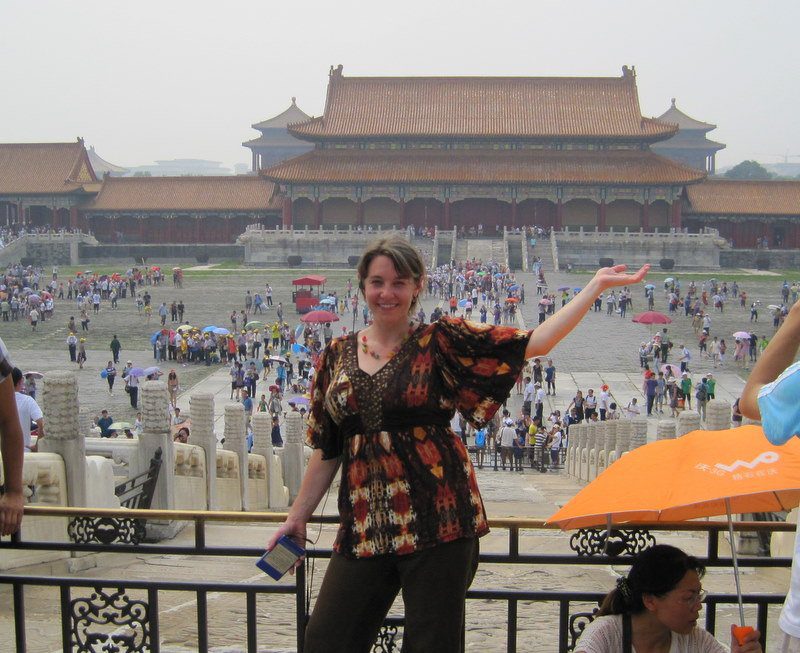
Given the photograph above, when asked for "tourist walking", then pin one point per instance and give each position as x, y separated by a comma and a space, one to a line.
111, 375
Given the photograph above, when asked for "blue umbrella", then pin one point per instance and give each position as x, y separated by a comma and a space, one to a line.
210, 329
650, 286
562, 288
577, 289
515, 287
297, 348
463, 302
136, 371
220, 331
298, 332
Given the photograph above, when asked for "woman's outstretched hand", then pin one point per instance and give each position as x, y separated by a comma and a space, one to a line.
616, 275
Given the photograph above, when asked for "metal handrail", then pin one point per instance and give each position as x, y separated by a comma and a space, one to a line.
497, 522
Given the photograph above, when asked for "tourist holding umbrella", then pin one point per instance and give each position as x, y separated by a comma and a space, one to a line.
770, 395
655, 608
381, 406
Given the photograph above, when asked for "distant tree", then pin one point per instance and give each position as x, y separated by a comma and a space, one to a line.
749, 170
142, 174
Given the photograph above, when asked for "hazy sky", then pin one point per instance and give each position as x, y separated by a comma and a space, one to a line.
146, 80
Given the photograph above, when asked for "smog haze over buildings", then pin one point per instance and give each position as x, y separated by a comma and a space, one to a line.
150, 81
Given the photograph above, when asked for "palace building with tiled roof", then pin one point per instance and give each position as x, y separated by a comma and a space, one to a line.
212, 209
44, 184
747, 213
276, 144
492, 151
689, 144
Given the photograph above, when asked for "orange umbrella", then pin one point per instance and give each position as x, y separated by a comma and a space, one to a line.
700, 474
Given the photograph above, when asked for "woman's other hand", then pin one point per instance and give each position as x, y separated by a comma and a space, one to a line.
751, 641
616, 276
296, 531
11, 508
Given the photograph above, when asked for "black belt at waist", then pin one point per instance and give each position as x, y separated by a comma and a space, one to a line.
353, 424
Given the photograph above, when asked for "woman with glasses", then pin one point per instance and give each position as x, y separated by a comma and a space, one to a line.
655, 608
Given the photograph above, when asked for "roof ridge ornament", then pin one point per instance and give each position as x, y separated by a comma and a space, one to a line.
336, 72
629, 71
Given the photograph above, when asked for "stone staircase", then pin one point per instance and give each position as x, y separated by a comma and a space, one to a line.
485, 249
544, 252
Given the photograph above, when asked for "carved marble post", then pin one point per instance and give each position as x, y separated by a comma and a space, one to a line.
611, 441
688, 420
294, 462
624, 430
666, 429
591, 451
718, 415
236, 441
600, 447
625, 438
62, 434
277, 493
639, 426
154, 404
201, 409
573, 448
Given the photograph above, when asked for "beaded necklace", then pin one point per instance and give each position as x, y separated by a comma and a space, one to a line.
368, 350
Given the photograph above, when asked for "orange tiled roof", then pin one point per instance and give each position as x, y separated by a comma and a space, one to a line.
354, 166
242, 193
733, 197
470, 107
44, 168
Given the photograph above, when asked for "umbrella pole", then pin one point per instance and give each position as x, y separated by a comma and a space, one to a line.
735, 561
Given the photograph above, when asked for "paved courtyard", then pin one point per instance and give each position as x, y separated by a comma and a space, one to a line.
601, 349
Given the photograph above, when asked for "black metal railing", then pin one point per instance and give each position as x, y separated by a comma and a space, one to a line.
122, 614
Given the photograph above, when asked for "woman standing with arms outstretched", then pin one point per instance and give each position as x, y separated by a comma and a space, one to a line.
410, 510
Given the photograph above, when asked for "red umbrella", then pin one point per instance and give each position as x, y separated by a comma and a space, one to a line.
320, 316
651, 317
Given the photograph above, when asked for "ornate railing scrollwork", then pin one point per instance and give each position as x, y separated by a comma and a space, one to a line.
387, 639
592, 541
577, 624
110, 622
106, 530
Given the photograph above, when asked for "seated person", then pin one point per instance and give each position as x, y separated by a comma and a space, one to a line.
659, 601
182, 435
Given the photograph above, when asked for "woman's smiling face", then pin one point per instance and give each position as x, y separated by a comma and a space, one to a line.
388, 295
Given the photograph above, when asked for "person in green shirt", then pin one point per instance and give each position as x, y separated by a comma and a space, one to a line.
711, 384
686, 389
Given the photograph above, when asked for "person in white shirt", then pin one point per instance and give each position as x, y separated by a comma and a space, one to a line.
28, 410
539, 400
603, 400
632, 409
527, 396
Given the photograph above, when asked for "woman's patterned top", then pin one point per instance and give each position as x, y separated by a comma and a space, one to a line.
407, 480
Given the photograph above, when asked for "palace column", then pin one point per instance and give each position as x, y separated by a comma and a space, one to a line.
359, 212
675, 214
197, 230
447, 224
317, 213
645, 215
559, 225
170, 219
286, 213
402, 213
601, 215
514, 213
73, 217
226, 229
255, 161
54, 214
